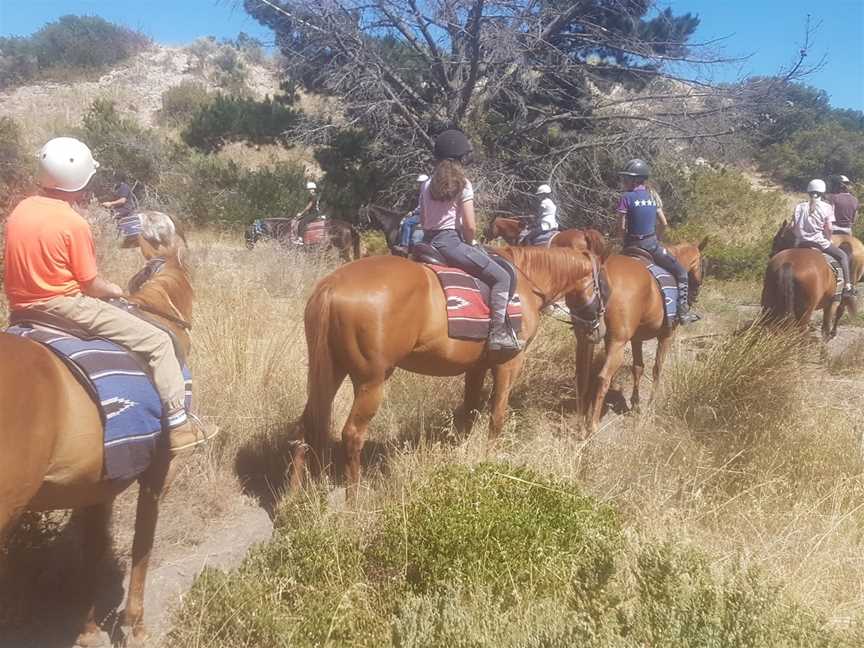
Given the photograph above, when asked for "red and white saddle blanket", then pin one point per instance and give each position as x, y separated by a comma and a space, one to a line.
468, 305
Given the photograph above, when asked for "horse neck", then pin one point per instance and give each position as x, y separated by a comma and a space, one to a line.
686, 255
169, 293
553, 271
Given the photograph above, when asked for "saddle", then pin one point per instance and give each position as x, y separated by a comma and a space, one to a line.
425, 253
38, 318
665, 282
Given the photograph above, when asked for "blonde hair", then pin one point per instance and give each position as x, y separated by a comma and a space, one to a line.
448, 181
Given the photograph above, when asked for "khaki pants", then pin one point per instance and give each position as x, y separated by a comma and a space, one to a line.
106, 321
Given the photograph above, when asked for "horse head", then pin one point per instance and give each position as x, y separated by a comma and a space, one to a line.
574, 274
784, 238
388, 220
163, 288
508, 229
690, 256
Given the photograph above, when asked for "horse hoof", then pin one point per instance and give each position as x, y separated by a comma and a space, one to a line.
92, 639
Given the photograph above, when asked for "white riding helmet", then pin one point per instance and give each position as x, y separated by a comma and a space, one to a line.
543, 189
844, 179
816, 186
422, 177
65, 164
311, 185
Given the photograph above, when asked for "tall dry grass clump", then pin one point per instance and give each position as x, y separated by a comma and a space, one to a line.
752, 382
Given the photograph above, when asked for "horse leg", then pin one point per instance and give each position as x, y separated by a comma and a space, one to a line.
96, 520
473, 400
613, 360
503, 376
663, 345
367, 398
830, 318
638, 370
584, 365
152, 486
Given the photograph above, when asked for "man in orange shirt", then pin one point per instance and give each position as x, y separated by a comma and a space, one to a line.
50, 266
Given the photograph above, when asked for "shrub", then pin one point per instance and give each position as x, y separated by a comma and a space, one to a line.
739, 219
121, 146
489, 555
208, 189
71, 42
749, 382
827, 149
182, 102
505, 528
236, 119
15, 164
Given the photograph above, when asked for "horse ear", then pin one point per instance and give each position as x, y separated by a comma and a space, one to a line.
703, 243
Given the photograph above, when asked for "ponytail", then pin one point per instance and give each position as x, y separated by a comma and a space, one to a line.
448, 181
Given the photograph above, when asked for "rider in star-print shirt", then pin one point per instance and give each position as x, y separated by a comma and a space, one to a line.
639, 214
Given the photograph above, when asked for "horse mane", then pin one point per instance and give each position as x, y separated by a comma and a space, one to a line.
559, 266
168, 290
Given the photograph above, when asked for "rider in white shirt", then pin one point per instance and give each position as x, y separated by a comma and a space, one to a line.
813, 222
546, 219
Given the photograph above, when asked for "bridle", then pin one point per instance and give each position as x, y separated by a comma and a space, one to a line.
587, 318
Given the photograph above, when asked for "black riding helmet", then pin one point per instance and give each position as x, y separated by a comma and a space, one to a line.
636, 168
451, 145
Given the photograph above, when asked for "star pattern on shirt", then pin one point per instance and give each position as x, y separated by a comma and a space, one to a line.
644, 203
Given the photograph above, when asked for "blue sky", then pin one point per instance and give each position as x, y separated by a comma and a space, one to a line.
768, 30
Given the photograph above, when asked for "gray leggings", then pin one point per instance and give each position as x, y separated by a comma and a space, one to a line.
476, 263
838, 254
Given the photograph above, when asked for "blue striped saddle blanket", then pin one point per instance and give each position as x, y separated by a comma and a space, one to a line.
665, 282
117, 381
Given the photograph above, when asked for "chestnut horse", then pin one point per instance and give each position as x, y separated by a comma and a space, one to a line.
51, 436
799, 281
373, 315
634, 313
510, 229
855, 249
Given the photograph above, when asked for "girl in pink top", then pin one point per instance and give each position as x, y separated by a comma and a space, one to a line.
447, 219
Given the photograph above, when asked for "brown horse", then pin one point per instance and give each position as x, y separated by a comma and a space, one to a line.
855, 249
510, 229
51, 437
798, 282
373, 315
634, 313
339, 235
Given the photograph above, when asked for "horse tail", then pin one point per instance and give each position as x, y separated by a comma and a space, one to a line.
778, 294
595, 242
322, 381
786, 291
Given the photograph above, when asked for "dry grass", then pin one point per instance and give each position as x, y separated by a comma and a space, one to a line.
748, 460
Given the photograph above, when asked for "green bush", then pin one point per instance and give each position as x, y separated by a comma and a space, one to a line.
238, 119
505, 528
70, 43
182, 102
819, 152
739, 219
207, 189
15, 165
121, 146
482, 556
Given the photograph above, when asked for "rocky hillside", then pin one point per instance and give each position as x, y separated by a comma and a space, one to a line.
136, 86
